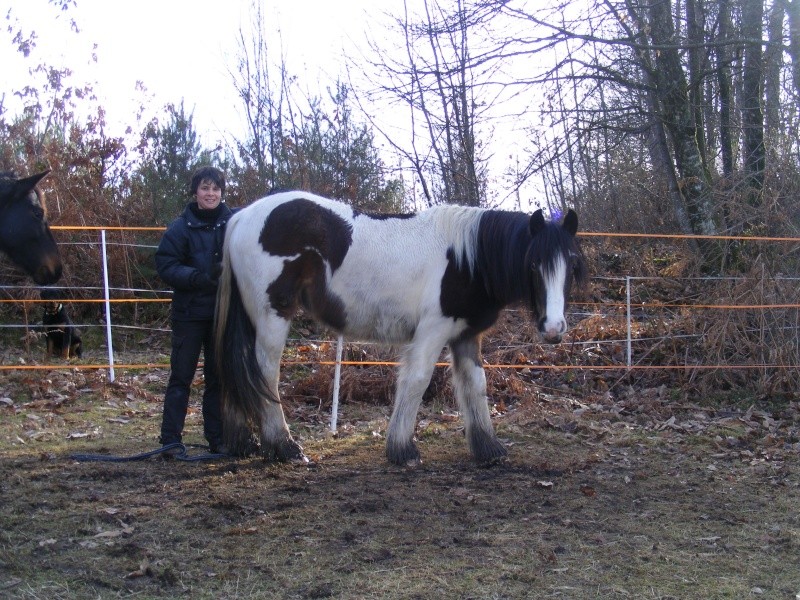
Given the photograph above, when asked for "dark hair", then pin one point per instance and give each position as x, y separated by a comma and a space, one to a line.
209, 173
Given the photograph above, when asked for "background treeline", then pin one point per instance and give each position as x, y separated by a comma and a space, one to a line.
657, 116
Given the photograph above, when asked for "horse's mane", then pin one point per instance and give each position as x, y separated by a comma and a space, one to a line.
459, 225
501, 249
493, 246
550, 243
506, 254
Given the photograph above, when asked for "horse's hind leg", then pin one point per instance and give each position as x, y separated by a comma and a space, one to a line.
469, 381
276, 440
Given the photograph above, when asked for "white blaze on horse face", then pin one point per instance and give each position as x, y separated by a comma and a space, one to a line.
555, 324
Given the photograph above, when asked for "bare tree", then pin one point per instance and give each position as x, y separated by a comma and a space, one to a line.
773, 95
262, 88
302, 141
722, 69
690, 80
434, 76
793, 10
679, 119
752, 97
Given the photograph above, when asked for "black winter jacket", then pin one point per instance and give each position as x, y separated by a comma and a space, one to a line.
188, 259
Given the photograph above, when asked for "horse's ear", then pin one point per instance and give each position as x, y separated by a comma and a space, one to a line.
537, 223
23, 186
570, 223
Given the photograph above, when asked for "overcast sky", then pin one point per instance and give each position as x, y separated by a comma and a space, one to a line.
185, 49
181, 49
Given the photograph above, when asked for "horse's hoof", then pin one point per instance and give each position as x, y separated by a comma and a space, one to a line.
404, 456
301, 460
489, 451
291, 452
494, 461
286, 451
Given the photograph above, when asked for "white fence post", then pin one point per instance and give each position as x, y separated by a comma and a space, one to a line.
337, 377
628, 310
109, 344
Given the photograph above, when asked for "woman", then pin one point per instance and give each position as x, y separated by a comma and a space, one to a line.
188, 259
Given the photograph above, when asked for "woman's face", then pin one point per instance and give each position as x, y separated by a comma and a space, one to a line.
208, 195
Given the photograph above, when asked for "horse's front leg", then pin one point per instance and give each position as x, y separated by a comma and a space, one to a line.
276, 440
469, 382
413, 378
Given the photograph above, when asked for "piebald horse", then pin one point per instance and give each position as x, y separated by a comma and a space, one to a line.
427, 280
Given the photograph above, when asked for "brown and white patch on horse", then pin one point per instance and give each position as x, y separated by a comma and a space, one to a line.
313, 239
301, 224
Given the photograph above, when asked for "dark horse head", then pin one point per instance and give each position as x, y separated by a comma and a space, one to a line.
24, 234
555, 262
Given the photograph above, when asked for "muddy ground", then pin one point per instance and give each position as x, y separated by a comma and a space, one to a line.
632, 492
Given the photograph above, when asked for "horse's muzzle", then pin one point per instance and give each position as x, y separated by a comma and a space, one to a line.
48, 274
552, 332
552, 339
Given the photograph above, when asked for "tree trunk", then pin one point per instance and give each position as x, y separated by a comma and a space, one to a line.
723, 69
793, 10
752, 87
659, 154
678, 118
696, 50
773, 62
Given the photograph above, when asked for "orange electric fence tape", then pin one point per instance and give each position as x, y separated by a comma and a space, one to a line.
102, 228
376, 363
669, 236
614, 304
441, 364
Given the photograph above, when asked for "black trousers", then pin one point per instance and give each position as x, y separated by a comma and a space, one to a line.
188, 339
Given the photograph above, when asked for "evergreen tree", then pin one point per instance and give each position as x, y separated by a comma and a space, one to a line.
170, 153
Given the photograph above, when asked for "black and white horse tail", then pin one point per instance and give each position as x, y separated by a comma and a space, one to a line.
243, 385
248, 400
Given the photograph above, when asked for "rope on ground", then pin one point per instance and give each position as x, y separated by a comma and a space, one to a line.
177, 451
